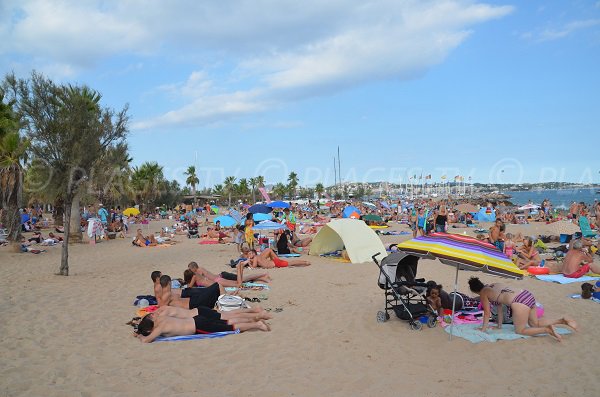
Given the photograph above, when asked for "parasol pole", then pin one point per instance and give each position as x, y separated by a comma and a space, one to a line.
454, 302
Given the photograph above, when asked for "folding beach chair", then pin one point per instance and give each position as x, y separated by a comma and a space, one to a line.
236, 216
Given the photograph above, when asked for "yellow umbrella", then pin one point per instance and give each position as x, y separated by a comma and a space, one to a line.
131, 212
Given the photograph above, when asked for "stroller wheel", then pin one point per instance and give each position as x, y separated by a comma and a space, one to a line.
382, 316
416, 325
432, 322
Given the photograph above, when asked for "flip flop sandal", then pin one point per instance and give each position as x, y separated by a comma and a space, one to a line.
278, 310
254, 300
249, 299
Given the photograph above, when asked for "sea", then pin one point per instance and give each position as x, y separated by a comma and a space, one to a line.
560, 198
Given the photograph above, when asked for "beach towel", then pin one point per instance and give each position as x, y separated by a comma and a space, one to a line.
288, 255
559, 278
205, 242
507, 332
578, 296
196, 336
249, 286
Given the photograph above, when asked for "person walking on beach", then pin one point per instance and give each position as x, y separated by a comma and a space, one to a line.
522, 305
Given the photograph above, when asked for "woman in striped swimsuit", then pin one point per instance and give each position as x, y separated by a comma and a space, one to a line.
522, 305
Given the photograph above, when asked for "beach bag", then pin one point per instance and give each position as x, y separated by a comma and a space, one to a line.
463, 302
226, 303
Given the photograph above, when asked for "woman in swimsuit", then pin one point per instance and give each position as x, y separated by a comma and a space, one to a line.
522, 304
528, 254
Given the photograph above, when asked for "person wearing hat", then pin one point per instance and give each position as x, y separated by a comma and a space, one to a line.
103, 214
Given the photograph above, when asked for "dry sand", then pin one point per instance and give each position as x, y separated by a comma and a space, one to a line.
66, 336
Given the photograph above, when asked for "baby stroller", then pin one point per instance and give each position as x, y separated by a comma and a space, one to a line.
404, 293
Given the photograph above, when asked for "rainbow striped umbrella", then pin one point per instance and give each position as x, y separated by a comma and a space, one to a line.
464, 252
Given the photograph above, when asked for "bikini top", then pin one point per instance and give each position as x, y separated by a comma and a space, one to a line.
503, 290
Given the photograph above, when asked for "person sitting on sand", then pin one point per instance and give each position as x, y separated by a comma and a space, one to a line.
298, 242
589, 291
284, 245
434, 299
197, 297
172, 321
578, 262
204, 278
269, 260
522, 305
528, 254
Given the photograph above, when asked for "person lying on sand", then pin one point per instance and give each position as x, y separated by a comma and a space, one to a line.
191, 299
173, 321
578, 262
204, 278
269, 260
221, 236
522, 304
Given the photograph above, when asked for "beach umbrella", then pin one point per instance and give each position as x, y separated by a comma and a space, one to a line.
214, 209
262, 217
464, 253
351, 212
529, 207
269, 225
226, 220
563, 227
466, 208
385, 205
370, 205
278, 204
131, 211
259, 209
373, 218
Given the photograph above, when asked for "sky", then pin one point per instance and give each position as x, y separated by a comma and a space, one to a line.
498, 91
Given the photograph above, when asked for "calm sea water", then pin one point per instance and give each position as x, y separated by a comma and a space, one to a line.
561, 198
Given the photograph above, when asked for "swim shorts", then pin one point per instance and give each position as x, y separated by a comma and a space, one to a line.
206, 325
583, 270
206, 296
280, 262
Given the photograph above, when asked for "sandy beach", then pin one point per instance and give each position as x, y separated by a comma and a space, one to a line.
66, 336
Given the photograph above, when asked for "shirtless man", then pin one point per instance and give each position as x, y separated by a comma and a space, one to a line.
221, 236
174, 321
578, 262
204, 278
197, 296
574, 210
269, 260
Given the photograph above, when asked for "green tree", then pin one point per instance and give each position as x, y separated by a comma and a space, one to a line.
218, 190
229, 188
147, 182
69, 130
279, 190
13, 149
243, 189
292, 184
192, 180
253, 185
319, 189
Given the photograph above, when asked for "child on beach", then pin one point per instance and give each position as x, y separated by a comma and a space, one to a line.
434, 298
509, 245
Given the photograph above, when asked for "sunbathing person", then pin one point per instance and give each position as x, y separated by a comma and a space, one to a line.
269, 260
522, 304
219, 235
578, 262
527, 254
298, 242
204, 278
197, 296
172, 321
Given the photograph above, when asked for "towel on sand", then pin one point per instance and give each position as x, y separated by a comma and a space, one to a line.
247, 286
559, 278
196, 336
507, 332
578, 296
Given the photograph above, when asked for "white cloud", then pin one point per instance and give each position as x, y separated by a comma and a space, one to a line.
560, 32
269, 51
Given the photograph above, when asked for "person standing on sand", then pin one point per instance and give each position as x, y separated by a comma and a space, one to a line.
522, 305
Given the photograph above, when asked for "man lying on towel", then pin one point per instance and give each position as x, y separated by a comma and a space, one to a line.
174, 321
189, 298
577, 262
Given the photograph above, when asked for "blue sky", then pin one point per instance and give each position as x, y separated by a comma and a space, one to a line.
497, 90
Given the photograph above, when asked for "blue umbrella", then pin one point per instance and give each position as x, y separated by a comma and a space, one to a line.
259, 209
278, 204
262, 217
24, 218
385, 205
349, 210
226, 220
269, 225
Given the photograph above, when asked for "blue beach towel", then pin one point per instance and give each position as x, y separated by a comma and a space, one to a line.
578, 296
559, 278
507, 332
288, 255
196, 336
248, 285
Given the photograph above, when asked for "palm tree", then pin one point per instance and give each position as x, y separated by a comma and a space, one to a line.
253, 184
13, 150
147, 181
192, 180
229, 187
279, 190
243, 189
292, 184
319, 189
218, 190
